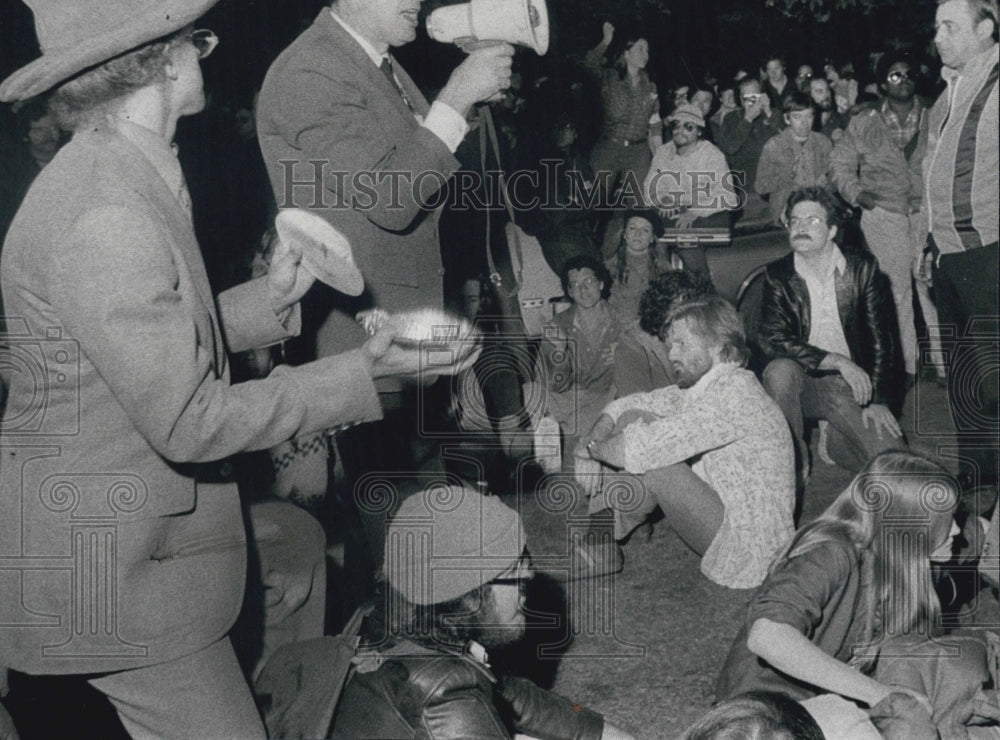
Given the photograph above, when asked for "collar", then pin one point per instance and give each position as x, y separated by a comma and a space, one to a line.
886, 111
374, 54
715, 372
973, 67
837, 263
161, 154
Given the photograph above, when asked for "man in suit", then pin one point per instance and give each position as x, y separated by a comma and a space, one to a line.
347, 134
122, 551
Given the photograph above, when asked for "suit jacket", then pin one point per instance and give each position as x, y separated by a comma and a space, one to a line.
867, 314
120, 545
327, 116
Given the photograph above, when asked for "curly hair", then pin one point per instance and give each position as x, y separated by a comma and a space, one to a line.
79, 100
666, 291
827, 201
586, 262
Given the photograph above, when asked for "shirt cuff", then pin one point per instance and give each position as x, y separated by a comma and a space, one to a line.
445, 123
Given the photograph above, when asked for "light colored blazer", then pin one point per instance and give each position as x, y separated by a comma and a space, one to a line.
324, 101
120, 546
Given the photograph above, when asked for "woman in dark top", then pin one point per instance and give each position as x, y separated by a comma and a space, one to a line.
847, 584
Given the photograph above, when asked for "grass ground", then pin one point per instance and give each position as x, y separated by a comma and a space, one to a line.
648, 642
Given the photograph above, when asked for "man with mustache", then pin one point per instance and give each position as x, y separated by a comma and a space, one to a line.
827, 325
456, 575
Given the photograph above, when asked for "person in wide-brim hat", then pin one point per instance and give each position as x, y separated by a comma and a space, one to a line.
128, 501
75, 36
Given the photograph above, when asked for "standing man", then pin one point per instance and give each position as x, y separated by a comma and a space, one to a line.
777, 86
961, 198
830, 122
124, 554
870, 167
347, 134
798, 157
827, 325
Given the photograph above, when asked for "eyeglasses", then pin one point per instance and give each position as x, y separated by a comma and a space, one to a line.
751, 99
807, 221
587, 282
895, 78
204, 41
689, 127
522, 572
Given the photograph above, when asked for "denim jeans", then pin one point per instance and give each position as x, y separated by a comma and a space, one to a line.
801, 396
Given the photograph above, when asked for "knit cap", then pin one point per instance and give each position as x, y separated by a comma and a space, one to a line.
448, 540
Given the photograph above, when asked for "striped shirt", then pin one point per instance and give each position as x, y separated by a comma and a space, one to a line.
962, 166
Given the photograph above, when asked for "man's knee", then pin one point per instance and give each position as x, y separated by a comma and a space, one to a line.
782, 375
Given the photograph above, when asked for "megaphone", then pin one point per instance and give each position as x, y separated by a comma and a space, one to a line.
523, 22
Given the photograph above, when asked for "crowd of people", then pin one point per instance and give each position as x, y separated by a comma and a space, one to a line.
206, 414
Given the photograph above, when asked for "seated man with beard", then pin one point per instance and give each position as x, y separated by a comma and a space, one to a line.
456, 567
713, 451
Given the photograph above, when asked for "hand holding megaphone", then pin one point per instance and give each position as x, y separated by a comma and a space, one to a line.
482, 76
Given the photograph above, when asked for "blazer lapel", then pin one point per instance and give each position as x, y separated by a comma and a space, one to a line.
340, 38
140, 173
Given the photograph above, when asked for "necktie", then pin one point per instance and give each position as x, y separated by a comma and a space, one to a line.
386, 68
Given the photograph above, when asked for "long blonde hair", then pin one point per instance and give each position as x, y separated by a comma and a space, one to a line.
888, 515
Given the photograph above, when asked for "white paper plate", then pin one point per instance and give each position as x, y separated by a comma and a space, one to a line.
326, 253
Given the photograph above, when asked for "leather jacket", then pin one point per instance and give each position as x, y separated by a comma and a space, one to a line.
864, 302
423, 693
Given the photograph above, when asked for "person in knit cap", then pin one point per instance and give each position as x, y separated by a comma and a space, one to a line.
456, 568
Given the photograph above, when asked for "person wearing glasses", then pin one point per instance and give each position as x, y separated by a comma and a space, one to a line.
871, 168
689, 182
828, 328
456, 574
578, 349
124, 549
803, 77
742, 137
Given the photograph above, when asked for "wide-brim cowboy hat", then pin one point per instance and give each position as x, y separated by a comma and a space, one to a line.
75, 35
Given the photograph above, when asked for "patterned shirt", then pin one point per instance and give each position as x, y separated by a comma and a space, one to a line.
738, 442
902, 131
